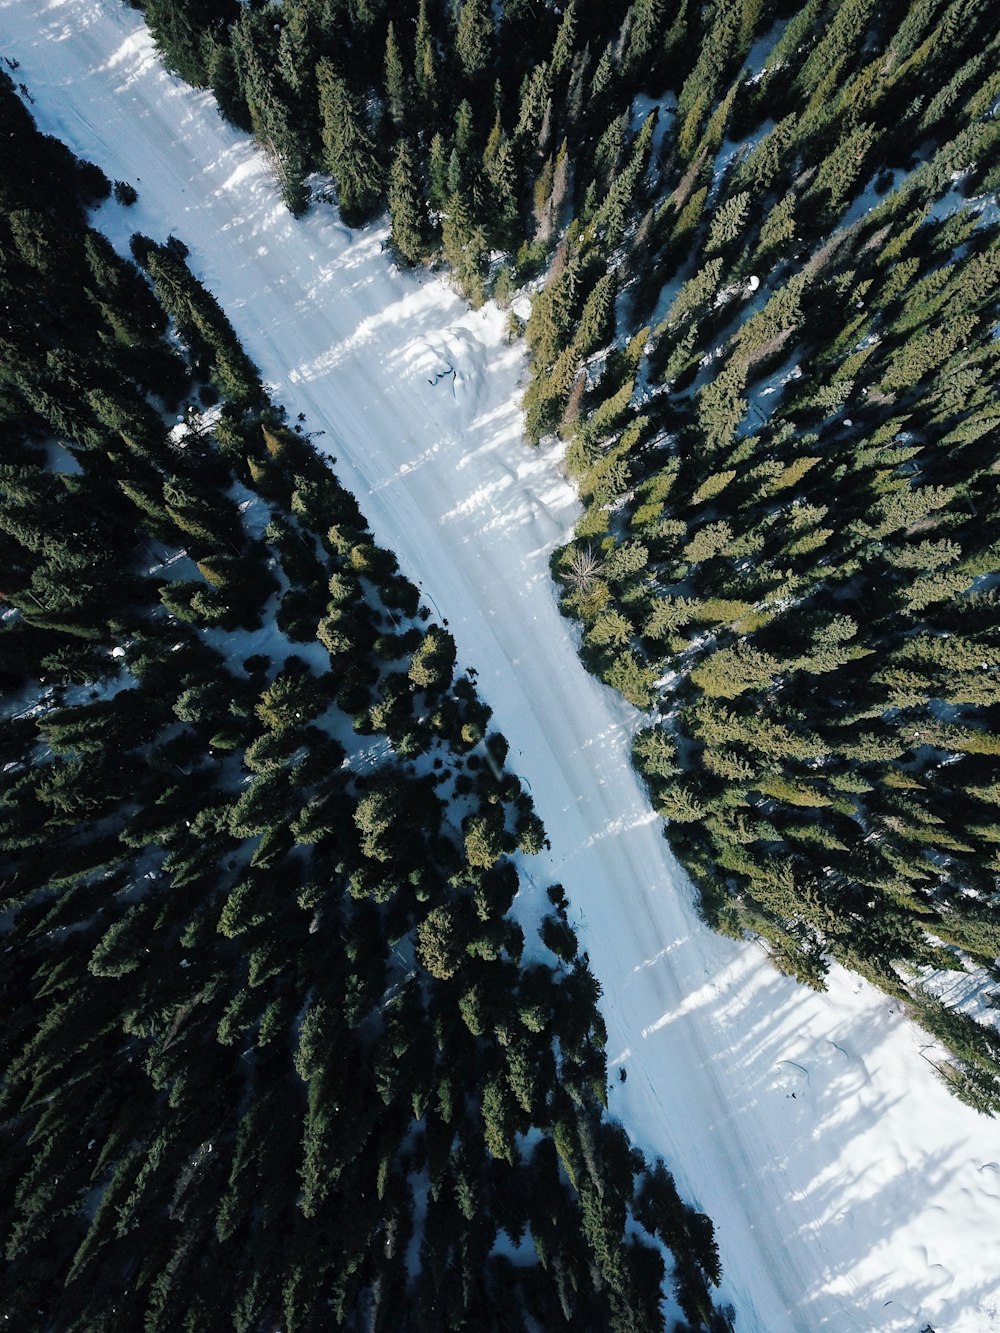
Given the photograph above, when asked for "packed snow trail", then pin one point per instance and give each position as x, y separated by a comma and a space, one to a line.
850, 1192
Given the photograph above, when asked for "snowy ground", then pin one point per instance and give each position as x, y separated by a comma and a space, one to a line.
850, 1192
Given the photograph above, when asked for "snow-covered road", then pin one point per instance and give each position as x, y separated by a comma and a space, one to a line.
849, 1191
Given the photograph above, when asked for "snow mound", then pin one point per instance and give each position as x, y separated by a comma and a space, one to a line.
454, 362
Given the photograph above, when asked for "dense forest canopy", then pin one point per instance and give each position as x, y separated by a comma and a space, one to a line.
275, 1052
761, 241
267, 1060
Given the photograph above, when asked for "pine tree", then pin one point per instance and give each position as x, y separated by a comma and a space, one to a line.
439, 946
180, 37
502, 214
272, 120
645, 22
395, 78
410, 224
425, 63
474, 40
596, 320
349, 152
297, 42
562, 57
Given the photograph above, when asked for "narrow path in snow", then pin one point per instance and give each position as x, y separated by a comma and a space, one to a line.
847, 1187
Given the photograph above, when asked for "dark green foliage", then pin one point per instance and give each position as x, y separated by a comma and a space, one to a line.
203, 324
181, 31
272, 990
788, 559
262, 980
348, 149
410, 223
559, 937
802, 559
250, 93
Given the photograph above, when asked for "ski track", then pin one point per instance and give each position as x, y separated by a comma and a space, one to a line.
849, 1191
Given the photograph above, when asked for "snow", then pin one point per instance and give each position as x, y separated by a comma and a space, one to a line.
850, 1191
642, 107
756, 58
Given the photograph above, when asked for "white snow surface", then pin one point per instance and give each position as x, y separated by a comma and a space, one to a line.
850, 1191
